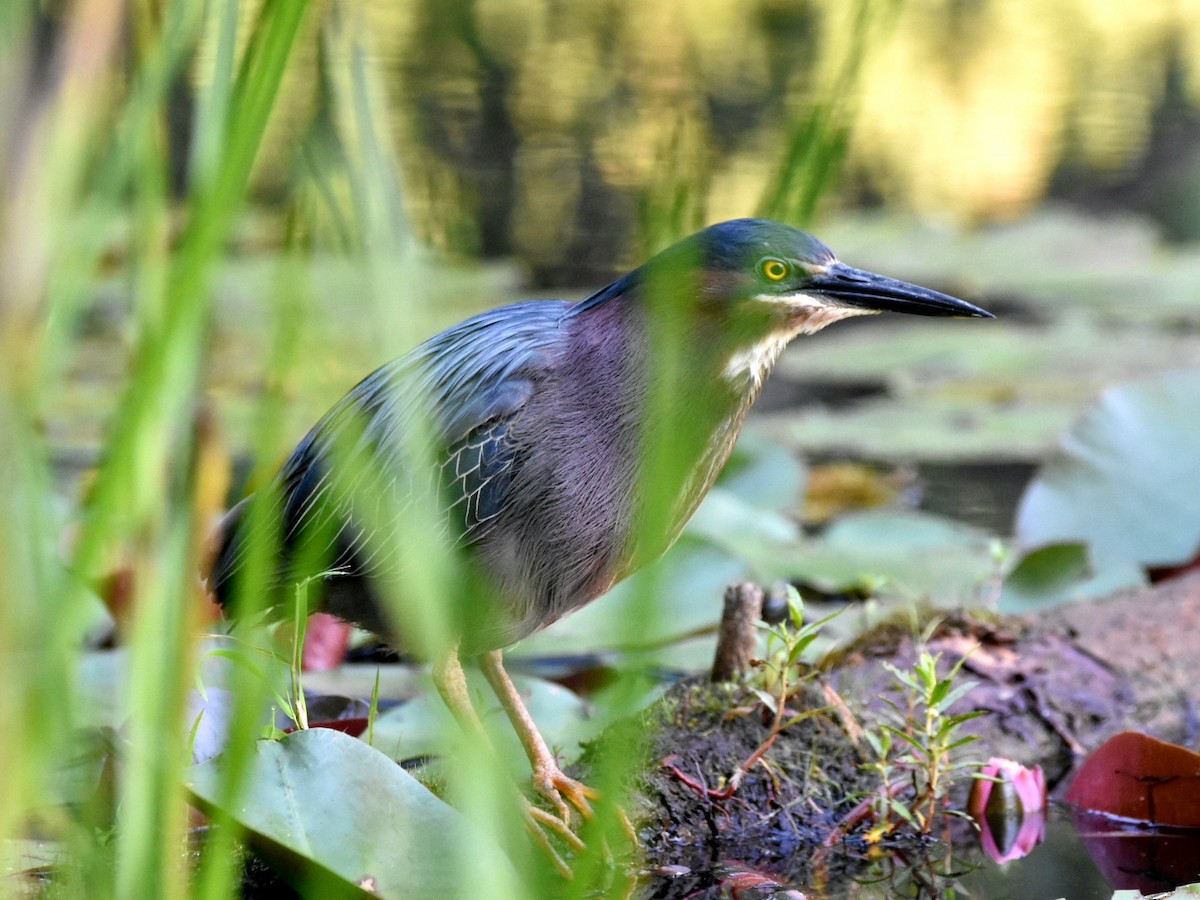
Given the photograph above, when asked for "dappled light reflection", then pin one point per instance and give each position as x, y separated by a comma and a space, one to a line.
546, 130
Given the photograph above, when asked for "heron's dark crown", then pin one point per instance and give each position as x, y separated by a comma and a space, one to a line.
742, 244
736, 249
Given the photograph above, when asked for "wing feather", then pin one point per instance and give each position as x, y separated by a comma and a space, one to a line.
463, 390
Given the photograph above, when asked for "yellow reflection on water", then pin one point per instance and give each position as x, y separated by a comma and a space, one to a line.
530, 126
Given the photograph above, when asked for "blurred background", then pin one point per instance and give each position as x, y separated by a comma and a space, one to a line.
559, 134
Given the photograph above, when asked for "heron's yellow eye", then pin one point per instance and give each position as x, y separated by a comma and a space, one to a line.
774, 269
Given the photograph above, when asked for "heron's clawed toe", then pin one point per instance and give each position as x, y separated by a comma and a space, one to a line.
541, 825
561, 789
564, 792
573, 800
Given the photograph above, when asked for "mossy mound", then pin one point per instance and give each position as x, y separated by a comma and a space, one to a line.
786, 813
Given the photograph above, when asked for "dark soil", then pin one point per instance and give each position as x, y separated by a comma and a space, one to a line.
783, 812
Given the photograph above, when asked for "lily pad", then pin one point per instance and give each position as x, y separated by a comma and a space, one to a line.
939, 425
1124, 478
1134, 777
1062, 573
336, 810
679, 596
764, 474
917, 555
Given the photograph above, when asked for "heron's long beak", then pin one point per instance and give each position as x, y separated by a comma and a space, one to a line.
866, 290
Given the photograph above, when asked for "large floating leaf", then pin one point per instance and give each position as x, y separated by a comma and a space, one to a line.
336, 810
1125, 479
917, 553
678, 596
764, 474
940, 425
1137, 812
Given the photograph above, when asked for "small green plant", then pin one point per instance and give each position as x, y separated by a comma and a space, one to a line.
780, 673
297, 708
917, 751
289, 698
783, 667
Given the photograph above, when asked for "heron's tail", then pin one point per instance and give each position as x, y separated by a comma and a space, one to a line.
230, 542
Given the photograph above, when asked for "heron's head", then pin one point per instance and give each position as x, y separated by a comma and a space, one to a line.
762, 283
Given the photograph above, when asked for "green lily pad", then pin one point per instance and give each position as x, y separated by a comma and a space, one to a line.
939, 426
341, 814
753, 533
914, 554
911, 554
764, 474
679, 596
1048, 569
1062, 573
1124, 479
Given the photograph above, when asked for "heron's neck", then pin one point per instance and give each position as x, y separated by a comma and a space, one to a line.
677, 414
748, 367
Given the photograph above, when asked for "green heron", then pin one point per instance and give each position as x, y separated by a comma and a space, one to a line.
539, 416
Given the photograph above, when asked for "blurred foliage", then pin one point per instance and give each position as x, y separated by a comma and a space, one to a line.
83, 143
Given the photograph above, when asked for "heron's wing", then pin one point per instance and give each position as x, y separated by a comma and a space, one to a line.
454, 398
477, 472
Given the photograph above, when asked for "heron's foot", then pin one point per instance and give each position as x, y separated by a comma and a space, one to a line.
566, 794
563, 792
542, 825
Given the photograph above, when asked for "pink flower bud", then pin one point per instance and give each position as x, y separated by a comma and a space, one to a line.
1009, 806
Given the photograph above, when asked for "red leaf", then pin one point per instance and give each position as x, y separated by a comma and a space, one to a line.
1164, 573
1139, 778
744, 882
